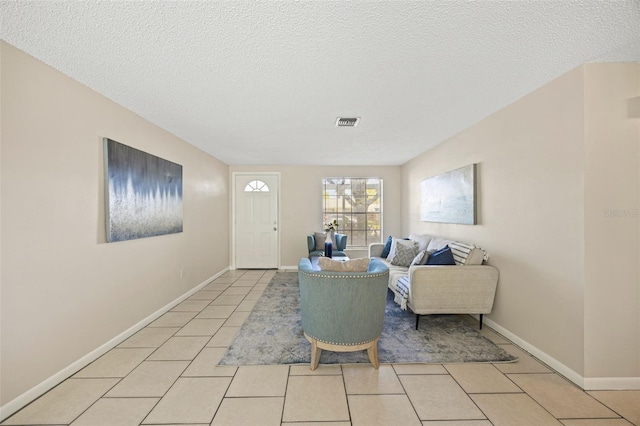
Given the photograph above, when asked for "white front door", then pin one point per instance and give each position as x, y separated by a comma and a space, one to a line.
256, 221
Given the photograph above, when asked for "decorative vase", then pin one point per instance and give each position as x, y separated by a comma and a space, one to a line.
328, 245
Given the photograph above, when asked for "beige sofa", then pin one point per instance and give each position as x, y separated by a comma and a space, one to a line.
468, 287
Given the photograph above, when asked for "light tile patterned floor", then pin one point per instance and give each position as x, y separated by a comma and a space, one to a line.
167, 374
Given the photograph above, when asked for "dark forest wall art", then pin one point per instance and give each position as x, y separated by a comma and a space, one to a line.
143, 193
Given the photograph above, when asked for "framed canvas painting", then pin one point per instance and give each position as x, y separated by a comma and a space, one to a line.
143, 193
450, 197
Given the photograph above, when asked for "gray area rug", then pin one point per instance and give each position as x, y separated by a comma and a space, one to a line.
272, 334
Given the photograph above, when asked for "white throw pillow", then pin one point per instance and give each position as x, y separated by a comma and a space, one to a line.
419, 258
392, 250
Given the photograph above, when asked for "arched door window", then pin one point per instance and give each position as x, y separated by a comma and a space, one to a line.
256, 186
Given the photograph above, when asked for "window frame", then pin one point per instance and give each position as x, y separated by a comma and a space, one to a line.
369, 235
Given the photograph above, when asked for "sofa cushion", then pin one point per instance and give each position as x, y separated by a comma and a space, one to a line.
404, 253
438, 243
442, 257
352, 265
387, 247
395, 268
422, 240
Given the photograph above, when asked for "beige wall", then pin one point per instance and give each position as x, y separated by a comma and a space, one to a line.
301, 202
541, 217
612, 222
65, 292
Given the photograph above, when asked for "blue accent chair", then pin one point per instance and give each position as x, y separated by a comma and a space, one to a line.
341, 245
343, 311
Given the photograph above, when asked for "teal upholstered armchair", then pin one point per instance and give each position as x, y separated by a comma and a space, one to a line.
338, 250
343, 311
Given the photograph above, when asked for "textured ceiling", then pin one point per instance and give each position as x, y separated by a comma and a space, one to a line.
259, 83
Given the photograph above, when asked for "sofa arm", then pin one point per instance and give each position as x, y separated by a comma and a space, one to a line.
375, 249
447, 289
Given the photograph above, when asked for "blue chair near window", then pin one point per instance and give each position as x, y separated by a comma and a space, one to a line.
338, 250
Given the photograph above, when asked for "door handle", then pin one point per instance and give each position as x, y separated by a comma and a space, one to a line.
275, 229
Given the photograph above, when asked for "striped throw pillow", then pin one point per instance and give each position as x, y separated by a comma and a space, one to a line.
468, 254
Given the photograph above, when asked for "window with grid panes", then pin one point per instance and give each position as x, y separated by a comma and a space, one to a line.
356, 203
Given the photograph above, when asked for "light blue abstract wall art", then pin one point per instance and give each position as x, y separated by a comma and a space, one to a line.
449, 197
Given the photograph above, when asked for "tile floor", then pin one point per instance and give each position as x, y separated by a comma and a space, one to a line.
167, 374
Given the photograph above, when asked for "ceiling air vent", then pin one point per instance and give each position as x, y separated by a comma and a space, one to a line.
347, 122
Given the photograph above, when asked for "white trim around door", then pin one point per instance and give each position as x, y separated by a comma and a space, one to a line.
255, 216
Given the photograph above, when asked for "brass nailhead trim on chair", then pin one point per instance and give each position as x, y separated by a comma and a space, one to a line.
340, 344
379, 274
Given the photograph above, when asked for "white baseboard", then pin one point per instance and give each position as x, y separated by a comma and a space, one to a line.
542, 356
591, 383
16, 404
612, 383
288, 268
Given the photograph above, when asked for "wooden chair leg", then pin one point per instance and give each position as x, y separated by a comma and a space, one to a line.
372, 351
315, 354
